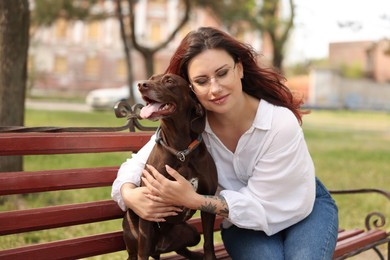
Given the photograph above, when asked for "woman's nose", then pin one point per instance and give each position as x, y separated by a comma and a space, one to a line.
214, 85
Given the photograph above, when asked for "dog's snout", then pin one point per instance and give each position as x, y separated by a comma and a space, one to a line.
143, 85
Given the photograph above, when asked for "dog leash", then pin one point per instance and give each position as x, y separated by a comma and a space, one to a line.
180, 155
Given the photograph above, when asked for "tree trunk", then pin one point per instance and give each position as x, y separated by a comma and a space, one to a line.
147, 52
14, 40
127, 50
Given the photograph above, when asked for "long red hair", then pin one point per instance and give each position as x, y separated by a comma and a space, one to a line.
262, 83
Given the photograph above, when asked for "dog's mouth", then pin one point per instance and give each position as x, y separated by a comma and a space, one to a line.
155, 110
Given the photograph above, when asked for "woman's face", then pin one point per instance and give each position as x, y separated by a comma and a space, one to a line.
216, 80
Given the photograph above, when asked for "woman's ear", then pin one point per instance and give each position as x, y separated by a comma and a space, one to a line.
240, 69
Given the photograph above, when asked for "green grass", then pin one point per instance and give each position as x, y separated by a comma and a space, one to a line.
350, 150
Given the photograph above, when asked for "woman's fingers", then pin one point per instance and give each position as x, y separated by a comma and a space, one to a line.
151, 183
162, 189
175, 174
159, 213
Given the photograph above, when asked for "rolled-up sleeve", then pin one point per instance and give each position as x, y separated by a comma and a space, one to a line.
130, 171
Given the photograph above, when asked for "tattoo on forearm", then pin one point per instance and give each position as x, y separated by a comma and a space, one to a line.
209, 207
215, 205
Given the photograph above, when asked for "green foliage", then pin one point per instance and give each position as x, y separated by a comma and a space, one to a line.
265, 16
45, 12
303, 68
354, 71
231, 13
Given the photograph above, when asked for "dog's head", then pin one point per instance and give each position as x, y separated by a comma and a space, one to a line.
169, 96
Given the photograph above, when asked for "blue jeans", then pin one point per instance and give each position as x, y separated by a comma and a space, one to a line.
312, 238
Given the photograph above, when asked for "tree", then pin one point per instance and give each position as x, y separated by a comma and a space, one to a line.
14, 41
234, 15
47, 11
148, 52
264, 16
270, 21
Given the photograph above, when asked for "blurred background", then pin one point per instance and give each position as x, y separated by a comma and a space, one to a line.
336, 54
66, 62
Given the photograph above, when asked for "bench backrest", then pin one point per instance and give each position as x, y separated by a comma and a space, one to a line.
14, 222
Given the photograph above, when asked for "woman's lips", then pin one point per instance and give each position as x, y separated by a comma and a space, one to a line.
219, 100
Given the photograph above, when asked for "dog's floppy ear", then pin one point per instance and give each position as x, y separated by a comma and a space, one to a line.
198, 117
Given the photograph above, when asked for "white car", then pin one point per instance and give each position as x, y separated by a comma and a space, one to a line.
106, 98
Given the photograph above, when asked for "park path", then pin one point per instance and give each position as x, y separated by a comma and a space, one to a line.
54, 105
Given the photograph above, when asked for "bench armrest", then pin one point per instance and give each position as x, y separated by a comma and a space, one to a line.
375, 219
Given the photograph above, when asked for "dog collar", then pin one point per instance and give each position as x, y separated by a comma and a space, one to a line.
180, 155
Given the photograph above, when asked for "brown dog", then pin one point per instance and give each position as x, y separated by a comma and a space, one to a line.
179, 145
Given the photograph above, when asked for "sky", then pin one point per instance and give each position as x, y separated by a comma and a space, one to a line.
316, 25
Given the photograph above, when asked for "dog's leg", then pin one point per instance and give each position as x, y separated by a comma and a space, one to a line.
208, 220
189, 254
147, 239
178, 237
130, 233
175, 236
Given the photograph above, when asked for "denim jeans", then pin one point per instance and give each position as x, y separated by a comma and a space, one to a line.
312, 238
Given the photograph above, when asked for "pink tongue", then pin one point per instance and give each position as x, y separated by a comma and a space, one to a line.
148, 110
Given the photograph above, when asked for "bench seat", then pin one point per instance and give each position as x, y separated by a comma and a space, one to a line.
350, 242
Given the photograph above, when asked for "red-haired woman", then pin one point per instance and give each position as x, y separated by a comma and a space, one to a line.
274, 206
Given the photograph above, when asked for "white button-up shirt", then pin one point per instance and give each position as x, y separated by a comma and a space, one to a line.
268, 182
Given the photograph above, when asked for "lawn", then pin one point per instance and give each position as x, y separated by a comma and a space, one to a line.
350, 150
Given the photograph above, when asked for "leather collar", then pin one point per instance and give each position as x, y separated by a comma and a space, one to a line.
180, 155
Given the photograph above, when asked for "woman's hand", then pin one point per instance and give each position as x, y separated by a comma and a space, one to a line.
135, 198
178, 192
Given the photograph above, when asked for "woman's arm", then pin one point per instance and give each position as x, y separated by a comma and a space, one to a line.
127, 194
135, 198
130, 172
181, 193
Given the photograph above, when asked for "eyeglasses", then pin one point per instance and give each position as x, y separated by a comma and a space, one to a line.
224, 76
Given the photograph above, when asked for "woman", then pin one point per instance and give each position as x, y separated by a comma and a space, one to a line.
274, 206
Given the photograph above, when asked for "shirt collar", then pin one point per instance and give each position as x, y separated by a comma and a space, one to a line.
263, 118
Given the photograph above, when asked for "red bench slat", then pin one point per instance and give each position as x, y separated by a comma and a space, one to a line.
349, 233
51, 180
64, 143
68, 249
355, 242
58, 216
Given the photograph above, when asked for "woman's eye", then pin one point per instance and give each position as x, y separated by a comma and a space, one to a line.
222, 73
201, 82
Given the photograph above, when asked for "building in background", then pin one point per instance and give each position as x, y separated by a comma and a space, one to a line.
369, 58
76, 57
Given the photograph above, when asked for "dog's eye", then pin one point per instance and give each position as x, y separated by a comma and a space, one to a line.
169, 81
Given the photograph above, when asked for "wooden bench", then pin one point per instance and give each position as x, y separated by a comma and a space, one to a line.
350, 242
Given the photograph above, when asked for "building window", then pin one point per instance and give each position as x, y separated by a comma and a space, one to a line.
91, 67
93, 30
60, 65
155, 32
60, 28
121, 69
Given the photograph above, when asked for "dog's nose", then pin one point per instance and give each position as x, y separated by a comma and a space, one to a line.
143, 85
